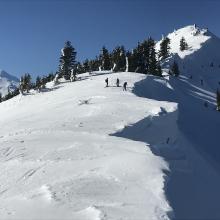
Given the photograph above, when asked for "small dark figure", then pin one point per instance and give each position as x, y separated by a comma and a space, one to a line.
206, 104
219, 83
125, 86
201, 82
106, 81
117, 82
191, 77
168, 139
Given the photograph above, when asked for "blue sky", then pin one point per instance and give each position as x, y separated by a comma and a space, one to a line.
32, 32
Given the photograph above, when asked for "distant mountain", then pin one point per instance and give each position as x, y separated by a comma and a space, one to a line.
7, 81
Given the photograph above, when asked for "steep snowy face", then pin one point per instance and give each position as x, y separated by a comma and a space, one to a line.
202, 58
7, 82
194, 36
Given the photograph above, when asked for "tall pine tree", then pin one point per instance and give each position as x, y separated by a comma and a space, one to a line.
67, 60
38, 83
118, 58
183, 44
164, 48
105, 59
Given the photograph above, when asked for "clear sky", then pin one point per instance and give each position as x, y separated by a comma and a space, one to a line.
32, 32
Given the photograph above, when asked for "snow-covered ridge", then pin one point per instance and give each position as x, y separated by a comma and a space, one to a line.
7, 81
63, 153
194, 36
201, 60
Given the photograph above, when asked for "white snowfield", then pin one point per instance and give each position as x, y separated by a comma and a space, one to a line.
82, 151
61, 159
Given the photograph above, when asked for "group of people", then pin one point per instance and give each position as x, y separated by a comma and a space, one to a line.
118, 84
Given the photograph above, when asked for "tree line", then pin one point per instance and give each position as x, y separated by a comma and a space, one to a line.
142, 59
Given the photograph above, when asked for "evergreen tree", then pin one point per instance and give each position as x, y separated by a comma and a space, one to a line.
175, 69
164, 48
153, 62
218, 100
0, 97
118, 58
159, 70
38, 83
147, 45
43, 82
79, 68
140, 59
67, 60
132, 60
25, 83
94, 64
86, 67
50, 77
153, 65
105, 59
183, 44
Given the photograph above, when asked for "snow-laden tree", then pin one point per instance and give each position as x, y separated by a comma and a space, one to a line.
105, 59
25, 83
183, 44
67, 60
164, 48
118, 59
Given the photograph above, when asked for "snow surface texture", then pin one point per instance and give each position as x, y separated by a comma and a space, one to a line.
59, 161
83, 151
7, 81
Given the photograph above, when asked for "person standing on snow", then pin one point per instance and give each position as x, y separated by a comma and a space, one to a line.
106, 81
117, 82
125, 86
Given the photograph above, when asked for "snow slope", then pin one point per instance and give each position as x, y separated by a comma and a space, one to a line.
83, 151
61, 157
197, 61
7, 80
193, 188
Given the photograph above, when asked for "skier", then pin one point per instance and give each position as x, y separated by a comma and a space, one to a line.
117, 82
106, 81
201, 82
125, 86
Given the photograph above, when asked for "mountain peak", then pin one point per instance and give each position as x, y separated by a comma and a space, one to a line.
4, 74
7, 81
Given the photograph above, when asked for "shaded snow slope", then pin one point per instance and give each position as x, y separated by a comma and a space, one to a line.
193, 153
7, 81
61, 157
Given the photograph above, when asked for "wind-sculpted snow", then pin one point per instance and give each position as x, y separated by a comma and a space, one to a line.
192, 149
59, 160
